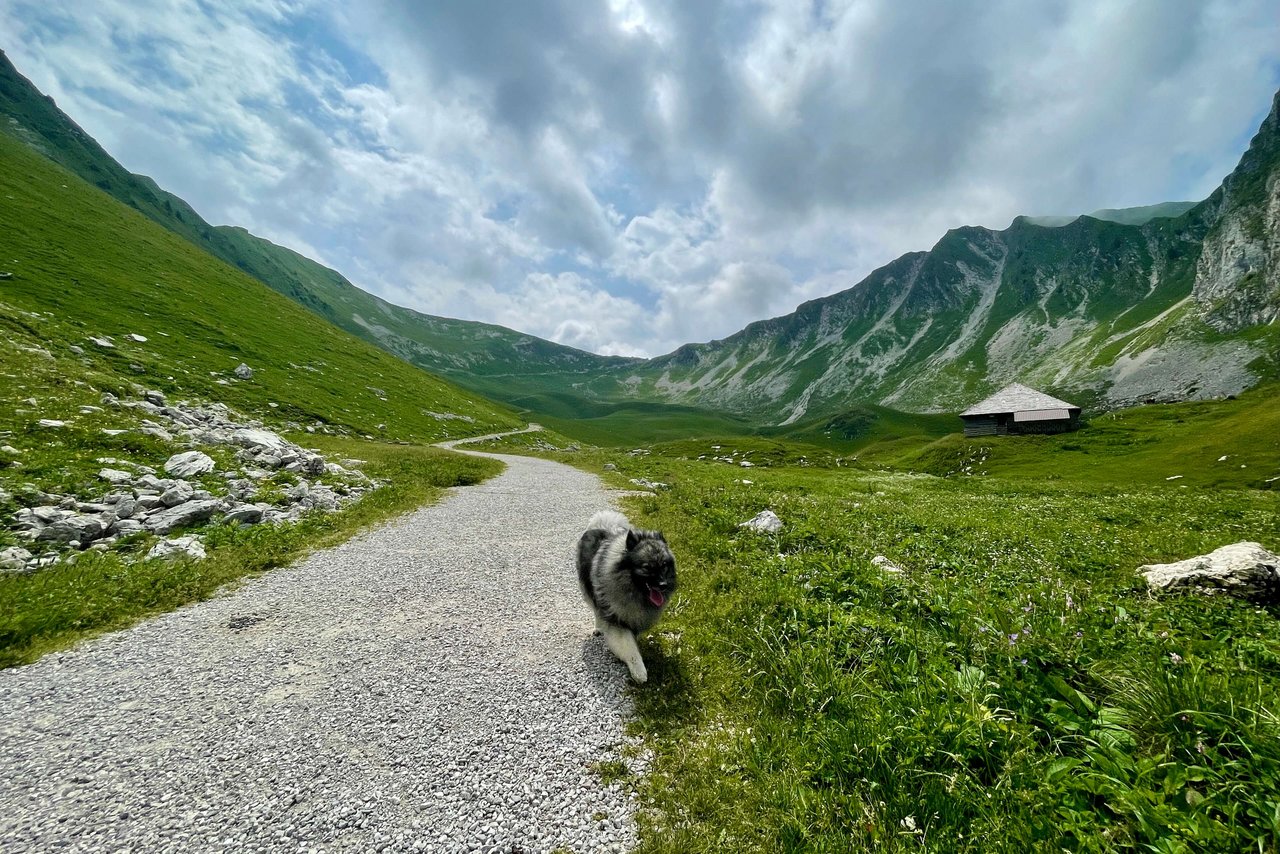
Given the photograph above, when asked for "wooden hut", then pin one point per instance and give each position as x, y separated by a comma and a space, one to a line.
1018, 409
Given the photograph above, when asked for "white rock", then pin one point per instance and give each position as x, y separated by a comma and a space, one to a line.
115, 476
1244, 569
51, 422
177, 494
184, 514
883, 563
189, 464
260, 439
14, 559
243, 371
103, 342
766, 521
746, 464
177, 548
141, 339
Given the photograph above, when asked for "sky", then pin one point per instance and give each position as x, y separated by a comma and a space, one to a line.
625, 176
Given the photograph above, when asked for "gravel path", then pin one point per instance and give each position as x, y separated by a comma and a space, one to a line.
431, 685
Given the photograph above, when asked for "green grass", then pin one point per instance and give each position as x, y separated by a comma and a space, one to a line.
84, 265
1016, 689
52, 608
1145, 445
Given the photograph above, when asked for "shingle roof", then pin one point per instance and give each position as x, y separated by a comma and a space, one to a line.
1016, 397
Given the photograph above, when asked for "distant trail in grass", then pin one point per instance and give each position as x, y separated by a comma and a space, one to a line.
433, 681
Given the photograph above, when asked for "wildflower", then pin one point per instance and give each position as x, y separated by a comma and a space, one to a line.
1071, 603
1164, 634
1079, 634
1199, 746
1013, 638
982, 630
1023, 662
1175, 658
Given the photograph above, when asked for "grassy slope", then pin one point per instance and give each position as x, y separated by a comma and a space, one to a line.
91, 267
1145, 445
435, 343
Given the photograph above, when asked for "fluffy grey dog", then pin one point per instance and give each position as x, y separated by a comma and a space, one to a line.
627, 576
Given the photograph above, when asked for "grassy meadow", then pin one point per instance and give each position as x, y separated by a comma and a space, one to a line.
1014, 688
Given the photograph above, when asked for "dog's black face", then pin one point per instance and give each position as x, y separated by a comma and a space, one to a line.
652, 566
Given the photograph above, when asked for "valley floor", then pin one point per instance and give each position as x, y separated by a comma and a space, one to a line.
1014, 688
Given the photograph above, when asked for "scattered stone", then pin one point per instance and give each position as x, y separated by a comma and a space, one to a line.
154, 397
115, 476
181, 515
610, 467
246, 514
14, 559
766, 521
104, 343
5, 276
1244, 570
141, 339
884, 564
126, 527
655, 485
746, 464
178, 548
76, 349
51, 422
176, 494
243, 371
74, 528
189, 464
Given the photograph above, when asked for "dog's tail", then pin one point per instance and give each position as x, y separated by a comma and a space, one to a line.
609, 520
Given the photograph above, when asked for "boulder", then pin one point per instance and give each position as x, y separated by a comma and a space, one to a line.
243, 371
260, 440
1245, 570
189, 464
74, 527
126, 527
766, 521
247, 514
179, 493
14, 559
189, 513
115, 476
178, 548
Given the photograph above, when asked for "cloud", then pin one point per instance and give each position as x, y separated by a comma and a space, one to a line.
625, 176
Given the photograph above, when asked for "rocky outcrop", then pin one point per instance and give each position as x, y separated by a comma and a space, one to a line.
1237, 281
189, 464
139, 502
1245, 570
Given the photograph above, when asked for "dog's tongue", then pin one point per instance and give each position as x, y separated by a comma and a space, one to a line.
656, 597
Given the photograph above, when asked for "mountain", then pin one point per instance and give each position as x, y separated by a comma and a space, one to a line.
1108, 313
1124, 216
1168, 302
466, 350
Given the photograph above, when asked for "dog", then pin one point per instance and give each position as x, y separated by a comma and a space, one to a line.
627, 577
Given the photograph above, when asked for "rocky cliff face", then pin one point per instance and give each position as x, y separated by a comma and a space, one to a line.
1238, 277
1105, 312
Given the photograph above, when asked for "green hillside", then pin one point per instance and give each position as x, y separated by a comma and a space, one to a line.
467, 350
83, 266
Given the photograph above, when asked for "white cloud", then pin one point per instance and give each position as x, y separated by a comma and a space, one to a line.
627, 175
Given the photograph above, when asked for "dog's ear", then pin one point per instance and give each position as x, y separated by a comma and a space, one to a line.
660, 536
632, 538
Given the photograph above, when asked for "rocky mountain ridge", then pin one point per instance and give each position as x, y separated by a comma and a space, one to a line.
1160, 303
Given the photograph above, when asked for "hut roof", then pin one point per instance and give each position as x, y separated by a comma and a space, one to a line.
1016, 397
